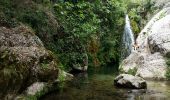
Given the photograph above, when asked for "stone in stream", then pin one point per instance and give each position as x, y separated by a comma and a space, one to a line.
130, 81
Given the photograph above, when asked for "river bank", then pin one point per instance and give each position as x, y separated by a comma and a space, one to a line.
98, 85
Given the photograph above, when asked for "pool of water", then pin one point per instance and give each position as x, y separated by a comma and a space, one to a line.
98, 85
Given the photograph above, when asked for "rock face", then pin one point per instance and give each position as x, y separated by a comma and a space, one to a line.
23, 61
154, 46
129, 81
152, 67
161, 3
159, 39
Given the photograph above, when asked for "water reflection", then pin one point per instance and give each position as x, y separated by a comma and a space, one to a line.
99, 86
81, 81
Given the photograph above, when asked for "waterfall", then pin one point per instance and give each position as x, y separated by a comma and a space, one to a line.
127, 39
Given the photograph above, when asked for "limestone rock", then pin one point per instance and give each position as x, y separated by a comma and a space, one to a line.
154, 45
131, 62
129, 81
159, 39
152, 67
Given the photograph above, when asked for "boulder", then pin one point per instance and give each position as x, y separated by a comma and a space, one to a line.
34, 91
130, 81
159, 39
23, 61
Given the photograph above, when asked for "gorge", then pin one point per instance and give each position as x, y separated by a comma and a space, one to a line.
67, 50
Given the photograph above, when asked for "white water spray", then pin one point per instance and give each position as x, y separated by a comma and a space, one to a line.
127, 40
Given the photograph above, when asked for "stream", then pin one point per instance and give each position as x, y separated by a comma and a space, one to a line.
98, 85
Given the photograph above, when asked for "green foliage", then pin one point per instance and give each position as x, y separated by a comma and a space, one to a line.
72, 30
168, 68
7, 14
78, 20
168, 73
87, 21
168, 62
139, 12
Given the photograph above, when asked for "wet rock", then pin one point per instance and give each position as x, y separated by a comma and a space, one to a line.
129, 81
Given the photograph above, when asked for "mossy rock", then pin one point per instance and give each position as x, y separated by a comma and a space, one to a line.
22, 60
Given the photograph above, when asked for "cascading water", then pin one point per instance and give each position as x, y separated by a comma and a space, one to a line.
127, 40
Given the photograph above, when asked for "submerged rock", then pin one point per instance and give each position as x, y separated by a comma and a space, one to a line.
130, 81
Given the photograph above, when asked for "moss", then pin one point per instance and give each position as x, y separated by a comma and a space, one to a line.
135, 28
61, 76
132, 71
45, 66
167, 75
121, 70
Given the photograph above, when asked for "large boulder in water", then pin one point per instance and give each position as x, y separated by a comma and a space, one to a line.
129, 81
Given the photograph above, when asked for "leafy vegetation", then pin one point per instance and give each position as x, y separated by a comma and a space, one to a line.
73, 30
97, 26
140, 12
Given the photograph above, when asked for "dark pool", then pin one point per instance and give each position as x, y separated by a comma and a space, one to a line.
98, 85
